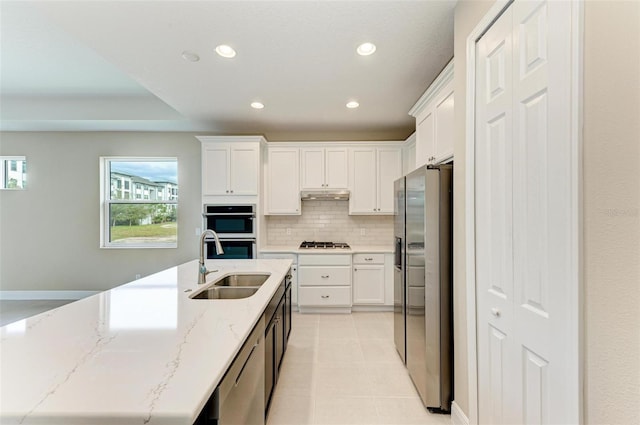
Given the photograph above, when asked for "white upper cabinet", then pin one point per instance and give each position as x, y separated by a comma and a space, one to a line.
283, 188
230, 165
434, 120
324, 168
373, 171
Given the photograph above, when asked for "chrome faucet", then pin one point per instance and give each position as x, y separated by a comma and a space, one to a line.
202, 269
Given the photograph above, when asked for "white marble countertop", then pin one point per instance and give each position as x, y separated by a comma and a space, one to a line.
355, 249
139, 353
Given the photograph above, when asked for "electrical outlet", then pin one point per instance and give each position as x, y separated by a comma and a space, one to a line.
363, 231
198, 231
137, 276
288, 231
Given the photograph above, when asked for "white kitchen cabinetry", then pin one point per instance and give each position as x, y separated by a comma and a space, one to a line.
324, 168
230, 165
368, 279
324, 282
283, 187
434, 120
373, 171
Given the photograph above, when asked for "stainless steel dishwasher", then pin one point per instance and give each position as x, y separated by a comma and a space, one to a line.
239, 398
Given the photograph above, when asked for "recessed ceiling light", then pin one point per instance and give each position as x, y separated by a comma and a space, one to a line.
257, 105
353, 104
366, 49
190, 56
225, 51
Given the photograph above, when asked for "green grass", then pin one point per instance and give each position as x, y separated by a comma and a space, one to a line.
163, 230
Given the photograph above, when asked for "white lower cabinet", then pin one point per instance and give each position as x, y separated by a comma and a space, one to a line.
368, 279
324, 282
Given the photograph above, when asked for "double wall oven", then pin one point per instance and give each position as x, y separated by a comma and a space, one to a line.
236, 228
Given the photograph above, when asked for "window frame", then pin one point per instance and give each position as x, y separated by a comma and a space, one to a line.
106, 202
5, 168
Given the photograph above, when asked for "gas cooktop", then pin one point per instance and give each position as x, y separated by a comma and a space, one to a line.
323, 245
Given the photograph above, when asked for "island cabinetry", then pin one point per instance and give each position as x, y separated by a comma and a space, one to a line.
238, 398
368, 279
230, 165
324, 282
434, 113
324, 168
283, 184
277, 317
373, 171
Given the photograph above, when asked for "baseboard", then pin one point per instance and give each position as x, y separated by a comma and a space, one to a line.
457, 415
372, 308
45, 295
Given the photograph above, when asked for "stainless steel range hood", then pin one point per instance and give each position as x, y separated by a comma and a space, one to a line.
324, 195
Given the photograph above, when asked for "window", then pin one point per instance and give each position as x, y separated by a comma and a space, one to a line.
142, 219
13, 172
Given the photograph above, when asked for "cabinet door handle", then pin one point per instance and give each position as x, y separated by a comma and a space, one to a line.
232, 191
227, 191
324, 296
355, 270
368, 259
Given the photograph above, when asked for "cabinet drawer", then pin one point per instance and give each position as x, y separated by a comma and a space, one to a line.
324, 276
324, 260
368, 258
326, 296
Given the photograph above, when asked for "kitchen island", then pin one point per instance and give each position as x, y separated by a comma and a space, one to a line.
143, 352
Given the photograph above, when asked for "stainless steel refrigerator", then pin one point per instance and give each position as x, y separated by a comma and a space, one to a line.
425, 279
399, 295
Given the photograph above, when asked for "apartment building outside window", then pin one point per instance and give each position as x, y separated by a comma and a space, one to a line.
134, 213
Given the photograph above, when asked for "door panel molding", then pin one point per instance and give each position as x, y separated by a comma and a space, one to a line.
535, 296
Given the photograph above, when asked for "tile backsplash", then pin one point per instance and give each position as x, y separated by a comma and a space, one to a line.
329, 221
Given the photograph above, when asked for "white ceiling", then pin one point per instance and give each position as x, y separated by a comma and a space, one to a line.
117, 65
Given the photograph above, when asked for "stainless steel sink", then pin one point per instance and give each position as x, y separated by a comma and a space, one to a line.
242, 280
232, 287
225, 293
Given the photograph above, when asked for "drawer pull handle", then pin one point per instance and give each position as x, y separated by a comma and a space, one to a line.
325, 276
324, 296
368, 259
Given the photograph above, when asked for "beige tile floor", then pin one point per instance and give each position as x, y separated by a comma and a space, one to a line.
344, 369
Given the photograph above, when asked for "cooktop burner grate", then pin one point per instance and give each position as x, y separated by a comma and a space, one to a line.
324, 245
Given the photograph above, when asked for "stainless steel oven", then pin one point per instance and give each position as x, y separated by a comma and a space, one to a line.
236, 228
233, 249
231, 221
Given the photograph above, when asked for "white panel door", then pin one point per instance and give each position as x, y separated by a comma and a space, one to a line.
215, 170
425, 139
368, 284
443, 148
363, 181
523, 220
283, 185
244, 169
389, 170
312, 168
336, 172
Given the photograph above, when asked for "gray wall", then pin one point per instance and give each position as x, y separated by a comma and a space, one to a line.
612, 212
50, 233
611, 205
